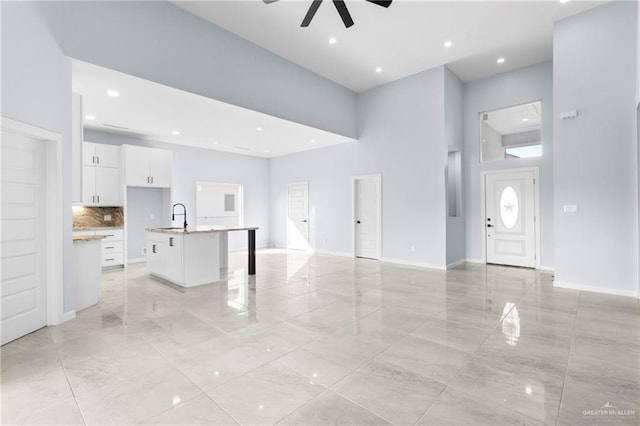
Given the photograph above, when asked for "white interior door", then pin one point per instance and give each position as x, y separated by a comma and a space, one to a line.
23, 290
367, 217
298, 216
510, 218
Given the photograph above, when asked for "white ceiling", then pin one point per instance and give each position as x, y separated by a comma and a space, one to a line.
404, 39
154, 111
516, 119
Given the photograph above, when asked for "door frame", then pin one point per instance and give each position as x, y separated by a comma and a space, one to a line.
54, 216
378, 178
536, 210
305, 183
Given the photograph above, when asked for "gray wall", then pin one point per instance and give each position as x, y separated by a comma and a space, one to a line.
36, 89
141, 204
596, 153
191, 165
454, 138
508, 89
160, 42
401, 127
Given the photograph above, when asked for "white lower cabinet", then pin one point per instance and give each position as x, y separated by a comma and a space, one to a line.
187, 260
112, 250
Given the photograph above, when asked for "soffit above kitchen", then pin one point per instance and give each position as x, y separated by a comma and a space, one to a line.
120, 103
386, 44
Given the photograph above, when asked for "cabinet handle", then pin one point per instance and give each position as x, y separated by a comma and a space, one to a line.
98, 198
110, 259
98, 157
110, 247
93, 160
151, 179
170, 241
153, 248
148, 179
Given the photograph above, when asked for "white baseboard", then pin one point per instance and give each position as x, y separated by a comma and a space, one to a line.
332, 253
604, 290
137, 260
475, 261
68, 316
411, 263
546, 268
456, 263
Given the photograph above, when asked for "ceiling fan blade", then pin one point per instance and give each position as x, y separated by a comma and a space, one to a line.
311, 13
344, 12
383, 3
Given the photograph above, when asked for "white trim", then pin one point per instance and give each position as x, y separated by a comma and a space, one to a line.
604, 290
478, 261
332, 253
68, 316
536, 202
290, 184
411, 263
456, 263
137, 260
54, 218
546, 268
378, 178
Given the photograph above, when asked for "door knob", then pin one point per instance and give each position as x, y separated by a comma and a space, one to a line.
304, 221
358, 222
489, 226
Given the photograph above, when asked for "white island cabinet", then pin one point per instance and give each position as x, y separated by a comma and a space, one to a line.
185, 259
193, 256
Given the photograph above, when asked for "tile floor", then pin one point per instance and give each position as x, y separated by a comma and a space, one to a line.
331, 340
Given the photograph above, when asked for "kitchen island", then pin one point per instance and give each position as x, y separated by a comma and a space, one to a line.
193, 256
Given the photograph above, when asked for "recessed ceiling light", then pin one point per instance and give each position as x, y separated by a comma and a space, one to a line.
259, 129
267, 151
564, 1
113, 93
525, 119
500, 60
448, 43
215, 142
378, 69
332, 40
175, 132
90, 117
312, 141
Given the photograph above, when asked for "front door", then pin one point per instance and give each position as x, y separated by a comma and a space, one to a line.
510, 218
23, 289
298, 216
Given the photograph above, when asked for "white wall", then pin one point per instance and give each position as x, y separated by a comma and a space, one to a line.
158, 41
191, 165
596, 154
36, 89
401, 127
210, 204
454, 139
142, 204
503, 90
492, 149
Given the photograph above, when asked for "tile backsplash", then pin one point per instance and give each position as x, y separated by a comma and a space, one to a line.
97, 217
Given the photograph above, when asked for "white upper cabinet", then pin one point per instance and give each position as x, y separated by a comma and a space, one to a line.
96, 154
148, 167
101, 175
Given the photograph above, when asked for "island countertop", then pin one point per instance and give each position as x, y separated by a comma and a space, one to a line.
199, 229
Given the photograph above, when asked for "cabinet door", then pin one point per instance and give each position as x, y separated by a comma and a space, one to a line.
107, 186
155, 255
88, 154
107, 155
88, 185
136, 160
161, 168
174, 258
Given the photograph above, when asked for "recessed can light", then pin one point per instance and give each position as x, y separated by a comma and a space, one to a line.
113, 93
448, 43
500, 60
90, 117
564, 1
175, 132
312, 141
378, 69
215, 142
332, 40
525, 119
259, 129
267, 151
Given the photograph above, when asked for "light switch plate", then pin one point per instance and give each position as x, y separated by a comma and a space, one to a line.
570, 208
107, 218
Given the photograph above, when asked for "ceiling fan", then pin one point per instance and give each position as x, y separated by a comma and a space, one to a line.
340, 6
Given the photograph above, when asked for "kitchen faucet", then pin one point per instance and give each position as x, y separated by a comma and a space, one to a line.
184, 213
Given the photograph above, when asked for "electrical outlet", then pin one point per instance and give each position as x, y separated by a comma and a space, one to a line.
107, 218
144, 250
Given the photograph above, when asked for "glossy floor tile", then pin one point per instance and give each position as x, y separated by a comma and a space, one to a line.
317, 339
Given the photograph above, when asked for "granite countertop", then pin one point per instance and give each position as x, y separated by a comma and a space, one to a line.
77, 238
96, 228
199, 229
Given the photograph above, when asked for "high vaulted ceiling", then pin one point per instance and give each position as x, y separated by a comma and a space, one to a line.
404, 39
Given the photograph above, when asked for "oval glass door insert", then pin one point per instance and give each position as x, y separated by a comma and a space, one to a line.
509, 207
